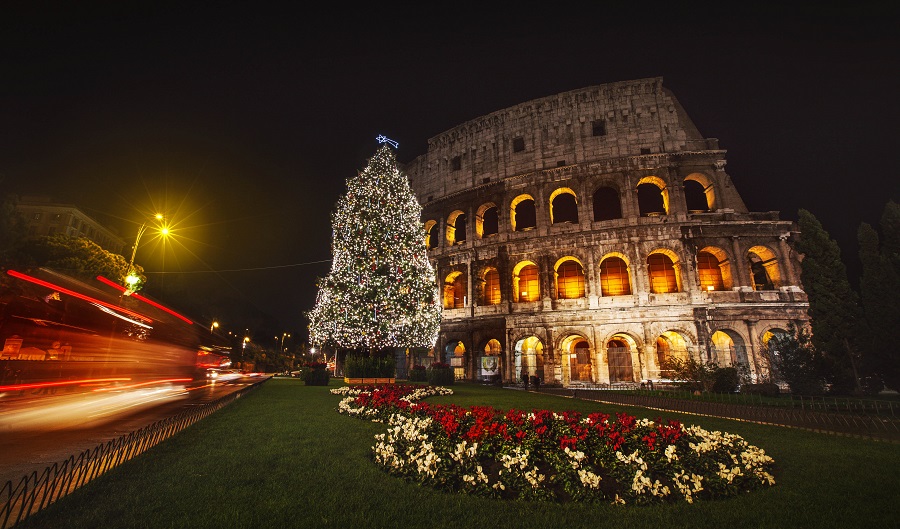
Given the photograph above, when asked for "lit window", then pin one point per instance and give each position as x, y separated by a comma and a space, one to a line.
614, 277
570, 281
709, 272
662, 274
492, 287
529, 289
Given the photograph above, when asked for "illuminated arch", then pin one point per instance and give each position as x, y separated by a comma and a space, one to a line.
522, 214
456, 228
670, 346
615, 276
431, 234
569, 278
764, 270
618, 353
455, 287
487, 220
563, 206
708, 275
703, 195
727, 348
455, 352
490, 288
491, 365
529, 357
526, 282
579, 362
652, 202
663, 271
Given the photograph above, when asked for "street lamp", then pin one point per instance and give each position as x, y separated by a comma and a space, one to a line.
215, 325
283, 336
132, 279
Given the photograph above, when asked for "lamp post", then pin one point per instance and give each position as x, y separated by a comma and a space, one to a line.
131, 279
283, 336
214, 326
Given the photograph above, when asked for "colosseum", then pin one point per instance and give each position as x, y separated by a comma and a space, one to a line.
586, 237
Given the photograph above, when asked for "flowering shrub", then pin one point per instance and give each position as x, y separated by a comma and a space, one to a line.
554, 456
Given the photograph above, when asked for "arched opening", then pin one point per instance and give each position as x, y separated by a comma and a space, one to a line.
709, 272
491, 367
569, 280
529, 358
614, 280
670, 346
456, 228
607, 205
456, 356
455, 287
487, 221
695, 197
526, 284
563, 206
523, 216
619, 354
763, 268
491, 291
653, 197
431, 234
728, 348
710, 277
663, 276
578, 351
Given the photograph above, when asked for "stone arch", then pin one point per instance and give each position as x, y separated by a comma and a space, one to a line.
714, 269
615, 275
526, 282
699, 193
487, 220
522, 214
529, 357
457, 356
563, 206
455, 289
490, 286
653, 196
727, 348
576, 357
670, 345
607, 204
569, 278
764, 270
620, 350
664, 271
431, 234
456, 228
490, 363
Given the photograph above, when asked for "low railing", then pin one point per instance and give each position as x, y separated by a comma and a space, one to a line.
863, 417
35, 492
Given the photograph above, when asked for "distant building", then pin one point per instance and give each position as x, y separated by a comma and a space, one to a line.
586, 237
45, 217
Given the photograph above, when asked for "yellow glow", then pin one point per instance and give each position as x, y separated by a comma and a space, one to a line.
132, 279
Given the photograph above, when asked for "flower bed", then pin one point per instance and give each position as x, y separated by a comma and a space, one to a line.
554, 456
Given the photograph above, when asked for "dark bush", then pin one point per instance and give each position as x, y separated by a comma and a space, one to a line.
315, 375
417, 374
726, 380
368, 367
439, 374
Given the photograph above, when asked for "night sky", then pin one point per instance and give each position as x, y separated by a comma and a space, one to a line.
243, 123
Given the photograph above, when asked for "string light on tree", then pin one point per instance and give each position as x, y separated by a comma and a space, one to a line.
381, 290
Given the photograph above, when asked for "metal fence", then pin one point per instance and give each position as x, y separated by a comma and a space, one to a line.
862, 417
36, 491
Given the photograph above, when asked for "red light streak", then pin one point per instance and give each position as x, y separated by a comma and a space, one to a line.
35, 385
142, 298
75, 294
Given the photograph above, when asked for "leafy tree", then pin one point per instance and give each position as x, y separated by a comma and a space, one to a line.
79, 257
835, 315
692, 373
797, 362
381, 292
879, 291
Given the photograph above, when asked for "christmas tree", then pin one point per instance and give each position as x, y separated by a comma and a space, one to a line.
381, 291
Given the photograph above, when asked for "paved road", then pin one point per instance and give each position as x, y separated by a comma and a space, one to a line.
39, 430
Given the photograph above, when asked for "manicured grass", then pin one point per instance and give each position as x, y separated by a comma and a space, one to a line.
282, 456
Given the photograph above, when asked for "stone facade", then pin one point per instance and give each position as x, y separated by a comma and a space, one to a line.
585, 237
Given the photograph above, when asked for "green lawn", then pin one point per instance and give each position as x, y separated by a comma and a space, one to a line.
282, 456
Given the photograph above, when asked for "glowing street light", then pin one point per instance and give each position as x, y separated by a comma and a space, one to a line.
132, 279
214, 326
283, 336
